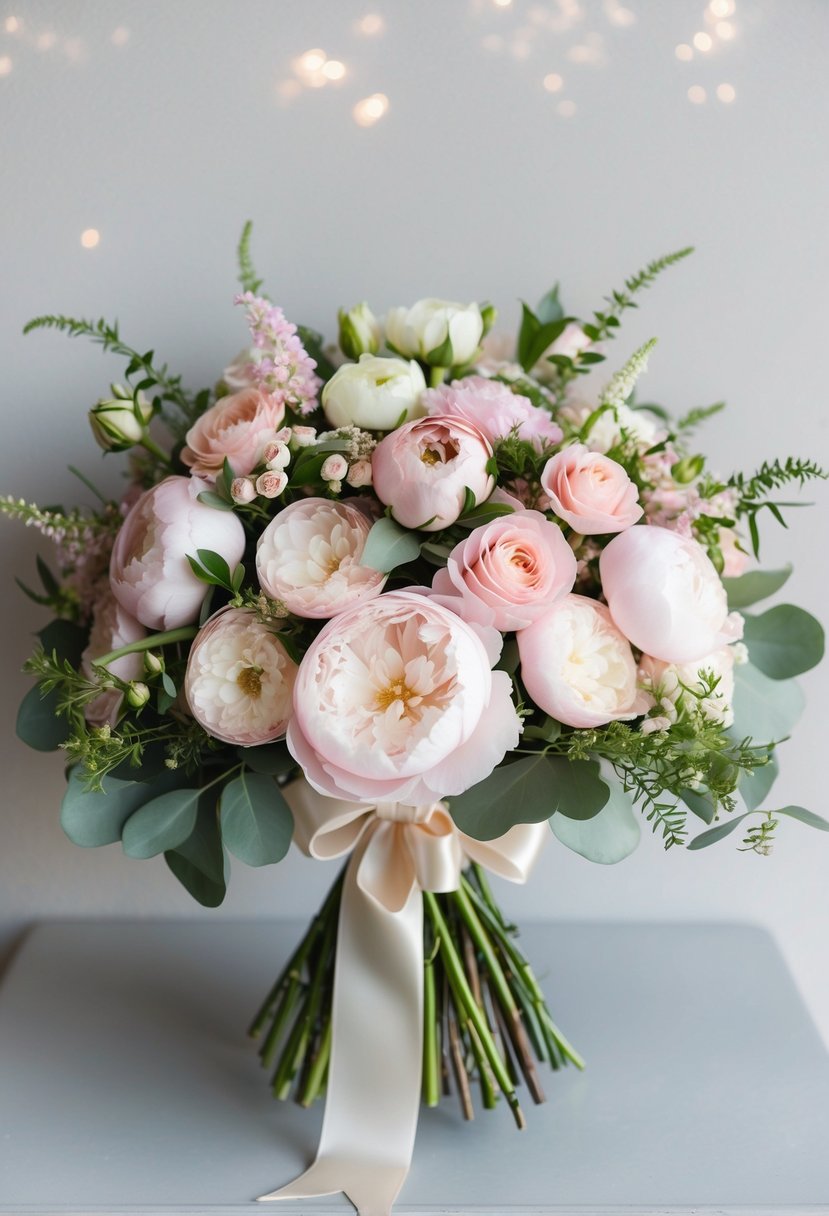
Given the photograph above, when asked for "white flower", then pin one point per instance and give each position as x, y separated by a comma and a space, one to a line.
676, 686
334, 467
114, 422
240, 680
360, 332
436, 331
375, 394
606, 431
309, 558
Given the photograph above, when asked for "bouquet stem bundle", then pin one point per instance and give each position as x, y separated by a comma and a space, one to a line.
485, 1020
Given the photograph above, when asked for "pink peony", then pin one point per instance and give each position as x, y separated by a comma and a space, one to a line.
578, 667
149, 571
240, 679
423, 469
591, 492
494, 409
665, 595
395, 701
237, 427
507, 573
112, 628
309, 557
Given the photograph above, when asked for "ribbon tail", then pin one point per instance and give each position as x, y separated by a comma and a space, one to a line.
374, 1076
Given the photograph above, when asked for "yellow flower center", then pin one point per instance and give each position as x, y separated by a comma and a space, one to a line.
398, 691
249, 680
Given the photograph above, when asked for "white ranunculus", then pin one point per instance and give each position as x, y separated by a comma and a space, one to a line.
375, 394
422, 331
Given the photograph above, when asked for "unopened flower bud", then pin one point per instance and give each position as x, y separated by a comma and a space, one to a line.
271, 484
137, 694
153, 664
277, 455
303, 436
242, 490
687, 469
360, 332
334, 467
119, 422
359, 474
283, 435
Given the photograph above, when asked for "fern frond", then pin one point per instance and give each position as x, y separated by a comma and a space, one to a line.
247, 274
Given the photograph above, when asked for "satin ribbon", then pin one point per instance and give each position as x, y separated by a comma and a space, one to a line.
374, 1072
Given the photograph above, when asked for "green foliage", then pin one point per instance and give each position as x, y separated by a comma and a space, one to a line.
765, 709
256, 821
752, 492
606, 838
163, 823
389, 545
247, 275
272, 759
200, 863
695, 417
211, 568
754, 586
39, 724
754, 787
758, 839
92, 818
783, 642
536, 335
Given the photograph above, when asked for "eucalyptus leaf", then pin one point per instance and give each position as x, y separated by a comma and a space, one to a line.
764, 709
608, 837
700, 805
273, 759
808, 817
91, 818
755, 786
549, 306
718, 833
200, 862
65, 639
256, 821
210, 499
783, 642
38, 722
161, 824
756, 585
579, 792
389, 545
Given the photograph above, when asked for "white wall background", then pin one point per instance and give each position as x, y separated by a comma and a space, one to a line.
165, 124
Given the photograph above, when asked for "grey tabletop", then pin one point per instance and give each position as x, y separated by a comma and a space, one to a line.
127, 1083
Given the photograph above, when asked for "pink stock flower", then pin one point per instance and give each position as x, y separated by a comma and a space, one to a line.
591, 492
309, 557
112, 628
280, 364
240, 679
395, 701
149, 572
494, 409
236, 427
423, 469
665, 595
509, 572
577, 666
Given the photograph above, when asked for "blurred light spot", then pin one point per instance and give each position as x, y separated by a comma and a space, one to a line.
725, 30
288, 89
502, 3
722, 8
493, 42
90, 238
726, 92
370, 110
553, 83
5, 65
333, 69
74, 49
46, 40
120, 36
696, 94
702, 41
12, 25
617, 14
566, 108
311, 61
589, 51
684, 52
371, 25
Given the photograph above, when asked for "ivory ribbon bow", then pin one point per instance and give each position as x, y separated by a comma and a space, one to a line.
374, 1075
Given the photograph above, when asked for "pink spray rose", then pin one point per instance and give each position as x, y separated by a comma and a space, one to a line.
422, 471
494, 409
309, 557
508, 573
665, 595
149, 571
112, 628
578, 667
395, 701
237, 427
240, 679
591, 492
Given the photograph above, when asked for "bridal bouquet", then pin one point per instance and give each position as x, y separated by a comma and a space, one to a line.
417, 601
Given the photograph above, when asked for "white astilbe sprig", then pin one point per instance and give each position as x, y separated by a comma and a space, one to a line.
621, 385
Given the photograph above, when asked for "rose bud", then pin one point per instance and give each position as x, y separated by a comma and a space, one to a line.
137, 695
437, 332
374, 394
359, 474
277, 455
334, 467
242, 490
114, 422
271, 484
360, 332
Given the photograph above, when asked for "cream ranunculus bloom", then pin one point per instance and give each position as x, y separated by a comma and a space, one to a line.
436, 331
375, 394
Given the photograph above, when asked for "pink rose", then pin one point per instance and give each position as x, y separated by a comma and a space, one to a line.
309, 557
149, 571
240, 679
578, 667
507, 573
237, 427
112, 628
423, 469
494, 409
665, 595
395, 701
591, 492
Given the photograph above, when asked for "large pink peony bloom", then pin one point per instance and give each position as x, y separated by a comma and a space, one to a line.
509, 572
395, 701
309, 558
494, 408
591, 492
112, 628
236, 427
240, 679
423, 469
665, 595
149, 571
578, 667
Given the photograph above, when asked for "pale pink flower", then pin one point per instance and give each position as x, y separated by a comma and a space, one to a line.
309, 558
334, 467
494, 409
665, 595
280, 364
735, 559
642, 427
271, 484
112, 628
240, 679
423, 469
303, 436
149, 571
242, 490
591, 492
237, 374
577, 666
277, 454
236, 428
359, 474
509, 572
395, 701
673, 686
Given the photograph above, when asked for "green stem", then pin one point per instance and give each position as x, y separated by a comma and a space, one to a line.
484, 945
319, 1067
153, 448
156, 639
431, 1074
437, 375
